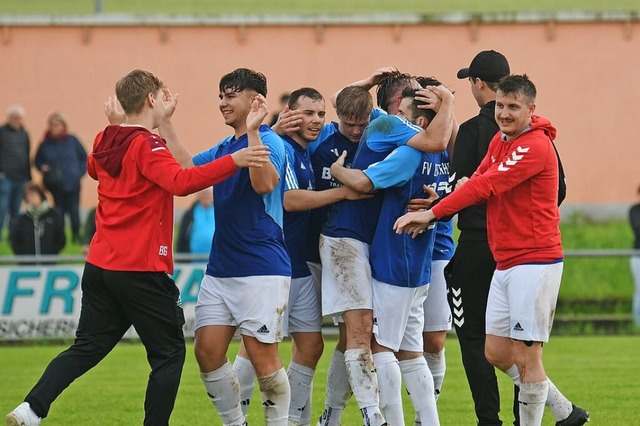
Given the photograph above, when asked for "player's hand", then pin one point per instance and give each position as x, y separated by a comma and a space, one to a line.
259, 111
417, 204
460, 183
378, 75
113, 111
170, 103
413, 223
429, 99
350, 194
339, 162
252, 156
288, 121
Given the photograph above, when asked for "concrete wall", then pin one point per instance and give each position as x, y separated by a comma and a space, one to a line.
587, 74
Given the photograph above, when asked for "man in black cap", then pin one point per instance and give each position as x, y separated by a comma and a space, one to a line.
470, 270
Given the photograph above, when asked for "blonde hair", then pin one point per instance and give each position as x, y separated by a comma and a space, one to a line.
56, 116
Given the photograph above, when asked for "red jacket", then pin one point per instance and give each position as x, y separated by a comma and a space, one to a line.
137, 179
519, 181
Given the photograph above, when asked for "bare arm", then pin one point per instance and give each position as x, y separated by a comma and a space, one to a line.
304, 199
263, 179
437, 135
368, 82
351, 178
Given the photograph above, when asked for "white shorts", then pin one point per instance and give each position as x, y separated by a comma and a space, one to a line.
303, 310
255, 304
398, 316
316, 272
437, 314
346, 275
522, 301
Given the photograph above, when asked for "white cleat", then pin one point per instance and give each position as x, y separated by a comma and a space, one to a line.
22, 415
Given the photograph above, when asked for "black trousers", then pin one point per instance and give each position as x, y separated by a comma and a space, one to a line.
111, 302
468, 277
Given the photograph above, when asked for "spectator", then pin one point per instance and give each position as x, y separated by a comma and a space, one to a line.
40, 230
63, 161
284, 100
197, 225
634, 219
15, 168
89, 230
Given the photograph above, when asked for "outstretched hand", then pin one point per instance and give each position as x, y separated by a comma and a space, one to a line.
413, 223
252, 156
259, 111
113, 111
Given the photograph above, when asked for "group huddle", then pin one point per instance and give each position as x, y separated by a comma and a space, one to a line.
349, 220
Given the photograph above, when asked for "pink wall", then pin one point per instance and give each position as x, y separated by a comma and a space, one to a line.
587, 76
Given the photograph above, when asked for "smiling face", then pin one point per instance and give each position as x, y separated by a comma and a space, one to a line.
513, 112
313, 117
235, 106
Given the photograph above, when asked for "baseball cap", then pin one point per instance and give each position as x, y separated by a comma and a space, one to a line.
488, 65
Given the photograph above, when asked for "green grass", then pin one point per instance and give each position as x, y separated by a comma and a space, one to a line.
595, 372
304, 7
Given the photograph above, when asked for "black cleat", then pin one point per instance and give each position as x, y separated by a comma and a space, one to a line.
578, 417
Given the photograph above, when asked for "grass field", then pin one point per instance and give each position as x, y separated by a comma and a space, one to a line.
305, 7
599, 373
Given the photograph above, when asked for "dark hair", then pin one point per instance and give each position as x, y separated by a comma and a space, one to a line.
354, 102
306, 92
242, 79
133, 88
429, 114
284, 98
389, 86
427, 81
34, 187
518, 85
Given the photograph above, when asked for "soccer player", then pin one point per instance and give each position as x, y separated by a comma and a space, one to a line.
303, 318
125, 279
518, 178
344, 246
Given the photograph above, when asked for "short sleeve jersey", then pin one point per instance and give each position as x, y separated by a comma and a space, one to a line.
357, 219
324, 152
249, 238
401, 260
299, 175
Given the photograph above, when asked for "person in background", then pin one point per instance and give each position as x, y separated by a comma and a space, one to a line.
197, 225
634, 220
89, 230
40, 229
15, 166
63, 161
284, 100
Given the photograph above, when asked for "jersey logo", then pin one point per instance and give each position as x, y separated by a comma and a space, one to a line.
335, 151
516, 156
302, 166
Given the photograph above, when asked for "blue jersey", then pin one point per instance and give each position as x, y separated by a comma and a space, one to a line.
444, 244
357, 219
249, 239
299, 175
401, 260
324, 152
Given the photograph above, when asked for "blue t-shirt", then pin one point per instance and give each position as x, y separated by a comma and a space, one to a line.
357, 219
249, 239
202, 229
324, 152
299, 175
444, 246
401, 260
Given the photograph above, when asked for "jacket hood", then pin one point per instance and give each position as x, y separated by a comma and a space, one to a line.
113, 145
538, 122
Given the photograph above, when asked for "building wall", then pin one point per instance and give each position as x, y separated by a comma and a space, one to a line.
586, 74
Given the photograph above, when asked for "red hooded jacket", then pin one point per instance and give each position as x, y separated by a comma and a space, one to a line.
519, 181
137, 179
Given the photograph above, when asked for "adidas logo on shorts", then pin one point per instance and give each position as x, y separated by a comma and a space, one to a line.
517, 327
263, 330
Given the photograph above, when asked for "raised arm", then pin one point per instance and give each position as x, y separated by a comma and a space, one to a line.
437, 135
264, 179
369, 81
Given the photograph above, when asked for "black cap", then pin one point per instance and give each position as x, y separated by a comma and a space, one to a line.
488, 65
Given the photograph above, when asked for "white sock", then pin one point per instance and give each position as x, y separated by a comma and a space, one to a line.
390, 381
338, 390
276, 397
419, 383
305, 415
532, 399
514, 373
437, 366
300, 379
559, 405
246, 377
364, 384
222, 387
